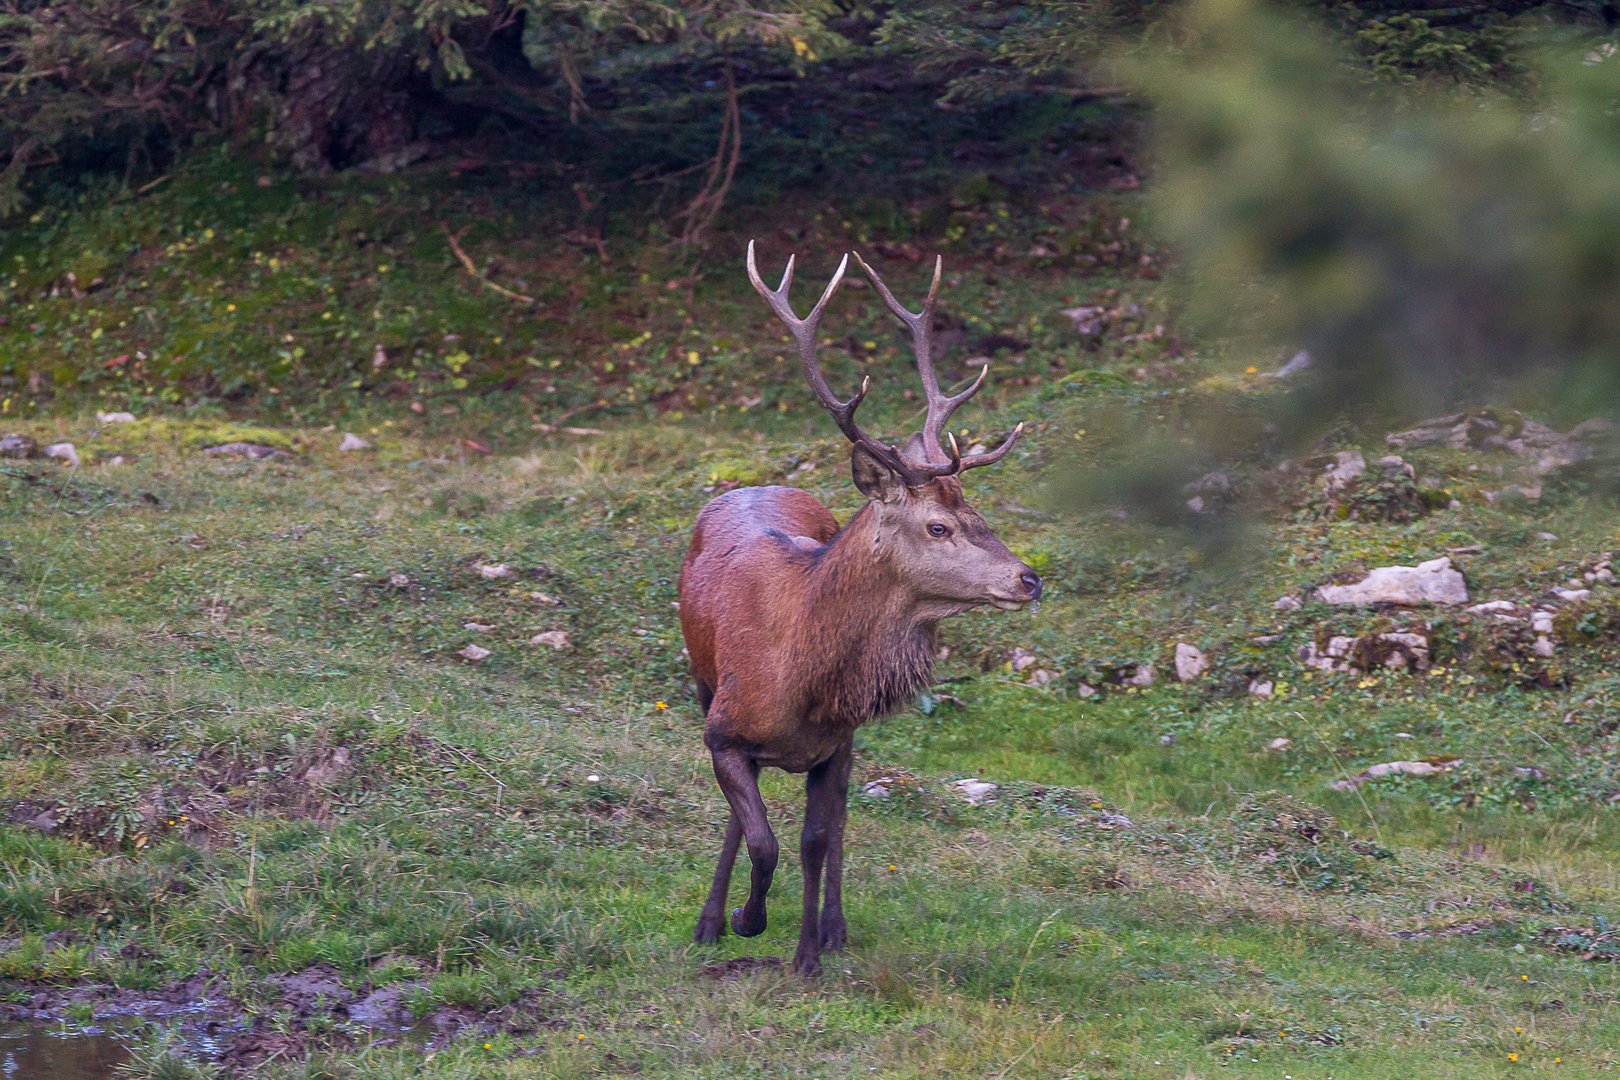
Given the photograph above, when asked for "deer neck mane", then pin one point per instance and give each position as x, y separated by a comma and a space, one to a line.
871, 646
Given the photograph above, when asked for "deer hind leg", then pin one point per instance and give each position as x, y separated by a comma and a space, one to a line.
739, 780
705, 693
834, 931
712, 922
812, 855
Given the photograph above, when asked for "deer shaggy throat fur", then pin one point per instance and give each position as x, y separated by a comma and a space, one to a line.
799, 631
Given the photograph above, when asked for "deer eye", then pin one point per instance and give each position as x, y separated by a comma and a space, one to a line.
936, 529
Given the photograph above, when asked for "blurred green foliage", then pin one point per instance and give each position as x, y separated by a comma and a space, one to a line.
1423, 248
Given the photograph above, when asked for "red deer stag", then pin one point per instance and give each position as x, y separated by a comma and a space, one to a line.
799, 631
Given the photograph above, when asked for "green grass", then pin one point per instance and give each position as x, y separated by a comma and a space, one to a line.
170, 671
184, 638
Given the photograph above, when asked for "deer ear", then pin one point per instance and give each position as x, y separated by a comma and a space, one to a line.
874, 479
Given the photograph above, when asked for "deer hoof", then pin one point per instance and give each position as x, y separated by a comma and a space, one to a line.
709, 929
742, 928
834, 935
808, 965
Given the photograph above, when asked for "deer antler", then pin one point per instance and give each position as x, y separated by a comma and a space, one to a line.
940, 405
804, 334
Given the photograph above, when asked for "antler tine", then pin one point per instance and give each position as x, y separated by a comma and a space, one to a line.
940, 406
804, 334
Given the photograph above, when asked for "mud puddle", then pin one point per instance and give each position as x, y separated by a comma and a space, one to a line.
83, 1032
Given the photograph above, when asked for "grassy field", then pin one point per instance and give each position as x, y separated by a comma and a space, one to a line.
239, 729
185, 639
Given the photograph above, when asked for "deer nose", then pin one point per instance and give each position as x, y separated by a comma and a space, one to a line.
1032, 584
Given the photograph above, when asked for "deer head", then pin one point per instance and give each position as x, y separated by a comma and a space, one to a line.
940, 547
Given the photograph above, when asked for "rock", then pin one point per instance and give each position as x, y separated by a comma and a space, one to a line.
1190, 662
1115, 821
1300, 362
1546, 536
1142, 676
251, 451
1209, 492
1347, 467
557, 639
1394, 650
115, 418
116, 459
877, 789
1432, 582
1490, 607
491, 571
1603, 574
1544, 646
45, 822
1457, 431
16, 445
63, 451
1529, 772
1394, 768
1085, 691
1167, 739
974, 790
1396, 463
1597, 429
333, 766
473, 652
477, 628
1040, 678
1022, 658
1286, 603
398, 581
1541, 622
1572, 596
352, 441
1260, 689
1196, 505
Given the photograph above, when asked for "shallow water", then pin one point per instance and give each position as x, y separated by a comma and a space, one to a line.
60, 1052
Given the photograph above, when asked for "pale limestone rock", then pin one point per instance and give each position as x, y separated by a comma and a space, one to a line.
1190, 662
63, 451
353, 442
473, 652
557, 639
1432, 582
974, 790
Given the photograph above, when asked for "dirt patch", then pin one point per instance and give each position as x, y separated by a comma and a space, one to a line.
739, 966
309, 1010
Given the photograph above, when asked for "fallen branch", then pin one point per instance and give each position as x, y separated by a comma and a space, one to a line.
455, 246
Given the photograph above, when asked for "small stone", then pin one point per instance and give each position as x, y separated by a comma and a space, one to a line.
352, 441
1022, 658
477, 628
1491, 606
877, 789
1190, 662
1544, 646
1572, 596
116, 459
63, 451
1142, 676
1546, 536
16, 445
251, 451
1085, 691
491, 571
1282, 742
1260, 689
1603, 574
1286, 603
1541, 622
1040, 678
1167, 739
974, 790
557, 639
398, 581
115, 418
474, 652
1347, 467
1196, 504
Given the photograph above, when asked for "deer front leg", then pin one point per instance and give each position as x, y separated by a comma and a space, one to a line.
712, 922
834, 931
739, 781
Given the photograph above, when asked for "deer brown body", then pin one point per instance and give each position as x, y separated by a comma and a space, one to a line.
799, 631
